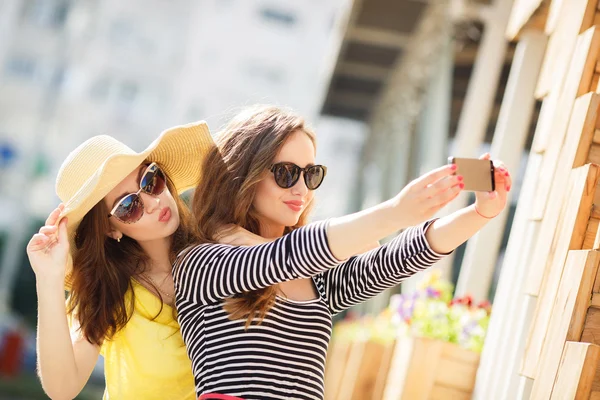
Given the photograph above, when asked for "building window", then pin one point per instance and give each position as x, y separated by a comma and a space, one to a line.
46, 13
23, 67
278, 16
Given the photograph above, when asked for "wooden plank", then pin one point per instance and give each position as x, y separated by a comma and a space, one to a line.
574, 153
521, 13
364, 384
413, 376
453, 352
591, 334
594, 84
567, 316
544, 123
351, 369
570, 234
591, 235
597, 284
457, 375
337, 356
577, 368
595, 300
597, 136
583, 61
446, 393
574, 17
399, 368
383, 369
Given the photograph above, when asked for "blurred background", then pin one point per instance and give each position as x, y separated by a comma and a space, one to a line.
387, 84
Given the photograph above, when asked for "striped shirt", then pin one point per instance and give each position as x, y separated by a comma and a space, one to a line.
284, 356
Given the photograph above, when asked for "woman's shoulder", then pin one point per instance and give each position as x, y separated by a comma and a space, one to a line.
199, 250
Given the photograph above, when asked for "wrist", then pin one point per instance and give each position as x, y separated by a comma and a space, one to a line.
483, 215
50, 284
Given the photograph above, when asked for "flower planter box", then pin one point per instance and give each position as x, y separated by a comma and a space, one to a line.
427, 369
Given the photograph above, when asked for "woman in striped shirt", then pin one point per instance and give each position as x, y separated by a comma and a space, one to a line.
257, 320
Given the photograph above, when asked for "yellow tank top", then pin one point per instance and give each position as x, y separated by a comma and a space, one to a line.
147, 358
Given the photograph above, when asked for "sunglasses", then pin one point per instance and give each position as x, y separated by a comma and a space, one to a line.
131, 207
287, 174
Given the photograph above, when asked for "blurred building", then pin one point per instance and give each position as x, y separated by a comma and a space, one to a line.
70, 70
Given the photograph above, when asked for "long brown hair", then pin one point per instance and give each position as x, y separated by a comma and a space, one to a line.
103, 269
244, 150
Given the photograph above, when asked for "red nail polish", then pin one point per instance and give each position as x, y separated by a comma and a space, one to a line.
453, 167
507, 174
508, 189
459, 177
461, 185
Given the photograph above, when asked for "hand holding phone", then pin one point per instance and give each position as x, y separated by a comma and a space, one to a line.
478, 175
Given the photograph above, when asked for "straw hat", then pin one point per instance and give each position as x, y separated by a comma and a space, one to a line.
99, 164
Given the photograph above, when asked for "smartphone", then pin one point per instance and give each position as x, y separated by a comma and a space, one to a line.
478, 174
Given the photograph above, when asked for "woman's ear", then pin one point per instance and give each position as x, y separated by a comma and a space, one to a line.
115, 234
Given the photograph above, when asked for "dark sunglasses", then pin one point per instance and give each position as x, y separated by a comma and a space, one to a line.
131, 207
287, 174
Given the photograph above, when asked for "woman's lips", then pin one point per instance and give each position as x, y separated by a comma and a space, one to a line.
294, 205
165, 215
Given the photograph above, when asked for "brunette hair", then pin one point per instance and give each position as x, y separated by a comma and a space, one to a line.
103, 269
244, 152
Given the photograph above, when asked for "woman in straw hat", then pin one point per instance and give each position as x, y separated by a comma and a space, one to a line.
121, 223
257, 320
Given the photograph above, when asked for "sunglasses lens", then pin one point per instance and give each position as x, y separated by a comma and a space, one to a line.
286, 175
153, 181
314, 177
129, 209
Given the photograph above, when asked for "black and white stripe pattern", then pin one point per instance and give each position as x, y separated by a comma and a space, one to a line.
284, 357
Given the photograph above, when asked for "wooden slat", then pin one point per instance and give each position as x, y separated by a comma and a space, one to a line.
583, 61
594, 84
521, 13
454, 352
574, 17
446, 393
399, 368
595, 300
577, 368
591, 234
456, 375
591, 334
597, 136
364, 384
570, 234
383, 371
351, 369
574, 153
567, 317
413, 377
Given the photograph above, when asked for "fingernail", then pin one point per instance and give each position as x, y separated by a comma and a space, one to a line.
508, 189
453, 167
462, 185
459, 177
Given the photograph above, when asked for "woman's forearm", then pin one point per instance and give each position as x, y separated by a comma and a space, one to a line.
56, 359
447, 233
355, 231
